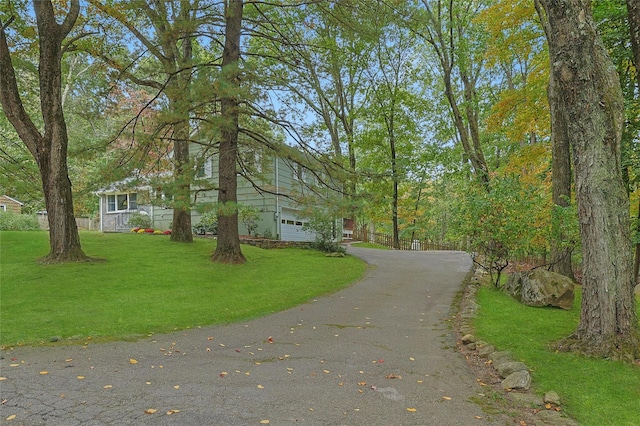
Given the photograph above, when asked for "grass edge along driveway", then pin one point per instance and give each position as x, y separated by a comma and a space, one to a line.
149, 284
593, 391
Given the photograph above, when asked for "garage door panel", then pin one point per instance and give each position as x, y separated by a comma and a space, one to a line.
291, 229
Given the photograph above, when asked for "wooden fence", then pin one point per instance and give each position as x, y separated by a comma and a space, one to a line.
386, 240
518, 260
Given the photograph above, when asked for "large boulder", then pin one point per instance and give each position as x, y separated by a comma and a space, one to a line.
540, 287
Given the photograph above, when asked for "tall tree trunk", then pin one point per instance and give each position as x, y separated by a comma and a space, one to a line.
395, 178
560, 168
633, 11
48, 149
228, 248
560, 184
172, 47
180, 103
447, 44
178, 63
590, 99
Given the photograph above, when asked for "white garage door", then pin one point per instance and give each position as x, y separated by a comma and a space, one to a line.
291, 228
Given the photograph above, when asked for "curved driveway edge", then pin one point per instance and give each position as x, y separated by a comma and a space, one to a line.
376, 353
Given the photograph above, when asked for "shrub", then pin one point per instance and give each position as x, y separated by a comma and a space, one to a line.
208, 224
499, 223
10, 221
140, 220
249, 217
328, 246
323, 224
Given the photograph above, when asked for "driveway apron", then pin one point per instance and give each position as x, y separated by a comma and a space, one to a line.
380, 352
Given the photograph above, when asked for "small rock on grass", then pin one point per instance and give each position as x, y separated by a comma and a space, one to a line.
468, 338
485, 351
552, 397
506, 368
517, 380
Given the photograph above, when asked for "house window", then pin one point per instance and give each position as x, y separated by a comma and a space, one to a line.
298, 172
252, 160
133, 201
204, 168
3, 207
257, 161
122, 202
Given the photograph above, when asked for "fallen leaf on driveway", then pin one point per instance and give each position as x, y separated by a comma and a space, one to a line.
11, 417
44, 372
264, 422
223, 374
107, 386
411, 410
392, 376
80, 377
447, 398
170, 412
150, 411
133, 361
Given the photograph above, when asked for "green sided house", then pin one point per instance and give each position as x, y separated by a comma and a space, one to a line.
267, 183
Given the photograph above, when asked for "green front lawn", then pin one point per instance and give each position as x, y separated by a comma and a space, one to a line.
149, 284
370, 245
594, 391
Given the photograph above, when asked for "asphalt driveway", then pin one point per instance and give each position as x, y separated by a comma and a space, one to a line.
377, 353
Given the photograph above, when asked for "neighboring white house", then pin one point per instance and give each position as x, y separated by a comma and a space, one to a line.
279, 182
